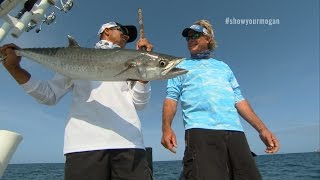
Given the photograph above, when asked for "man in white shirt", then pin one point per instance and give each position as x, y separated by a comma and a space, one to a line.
103, 138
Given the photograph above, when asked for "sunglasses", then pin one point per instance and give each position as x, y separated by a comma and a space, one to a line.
124, 31
194, 36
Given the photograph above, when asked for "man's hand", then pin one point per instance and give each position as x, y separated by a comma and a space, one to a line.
12, 63
169, 140
144, 43
11, 60
269, 140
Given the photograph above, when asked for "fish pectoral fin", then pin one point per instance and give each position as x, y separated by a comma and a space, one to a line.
72, 42
142, 71
129, 67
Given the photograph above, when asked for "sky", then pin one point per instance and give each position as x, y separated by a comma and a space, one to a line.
276, 65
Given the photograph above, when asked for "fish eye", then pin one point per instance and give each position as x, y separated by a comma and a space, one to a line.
162, 63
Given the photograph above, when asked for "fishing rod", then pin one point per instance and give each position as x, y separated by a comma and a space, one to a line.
141, 28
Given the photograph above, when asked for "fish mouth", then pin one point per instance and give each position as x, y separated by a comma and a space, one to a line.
172, 71
172, 66
175, 72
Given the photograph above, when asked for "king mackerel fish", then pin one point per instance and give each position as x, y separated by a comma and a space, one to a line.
105, 64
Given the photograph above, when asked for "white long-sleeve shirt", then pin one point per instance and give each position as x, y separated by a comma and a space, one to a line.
102, 115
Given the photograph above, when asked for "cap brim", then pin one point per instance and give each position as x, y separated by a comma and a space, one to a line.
186, 31
132, 32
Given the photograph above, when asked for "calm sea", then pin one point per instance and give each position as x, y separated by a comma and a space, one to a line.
300, 166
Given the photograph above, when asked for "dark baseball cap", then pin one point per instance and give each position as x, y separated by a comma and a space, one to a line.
129, 30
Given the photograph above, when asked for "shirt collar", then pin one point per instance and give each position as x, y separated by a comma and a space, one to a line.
203, 55
104, 44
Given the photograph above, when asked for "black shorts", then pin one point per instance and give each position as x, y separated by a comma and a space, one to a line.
218, 154
115, 164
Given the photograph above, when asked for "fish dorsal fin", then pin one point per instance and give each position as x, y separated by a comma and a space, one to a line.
72, 42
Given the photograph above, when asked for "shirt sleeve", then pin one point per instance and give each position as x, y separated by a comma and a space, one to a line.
174, 88
141, 94
48, 92
235, 86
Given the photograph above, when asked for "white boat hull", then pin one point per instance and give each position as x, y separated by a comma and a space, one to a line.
9, 142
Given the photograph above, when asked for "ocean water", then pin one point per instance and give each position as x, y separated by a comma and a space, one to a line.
296, 166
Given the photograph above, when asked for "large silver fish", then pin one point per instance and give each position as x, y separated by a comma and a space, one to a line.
105, 64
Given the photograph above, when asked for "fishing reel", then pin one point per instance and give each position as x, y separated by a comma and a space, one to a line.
48, 20
31, 25
65, 6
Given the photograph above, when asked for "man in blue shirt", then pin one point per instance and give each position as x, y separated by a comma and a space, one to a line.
216, 146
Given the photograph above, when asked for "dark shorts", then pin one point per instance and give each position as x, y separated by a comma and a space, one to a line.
218, 154
115, 164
